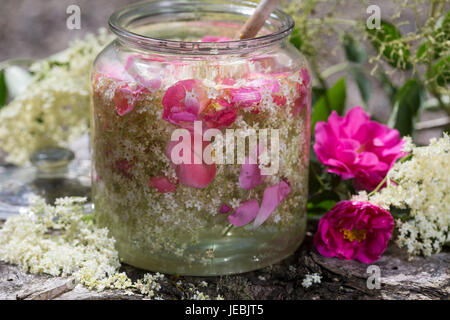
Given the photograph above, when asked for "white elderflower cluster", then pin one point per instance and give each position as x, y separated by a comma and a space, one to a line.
200, 296
310, 279
54, 108
421, 195
61, 240
149, 285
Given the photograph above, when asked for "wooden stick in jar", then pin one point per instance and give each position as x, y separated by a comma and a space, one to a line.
257, 20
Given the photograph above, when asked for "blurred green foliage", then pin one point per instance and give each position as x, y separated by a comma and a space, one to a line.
420, 59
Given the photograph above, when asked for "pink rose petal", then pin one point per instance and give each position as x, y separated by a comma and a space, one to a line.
162, 184
191, 174
272, 197
183, 102
224, 208
125, 100
245, 213
250, 175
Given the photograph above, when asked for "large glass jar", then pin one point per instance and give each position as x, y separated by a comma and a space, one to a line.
200, 143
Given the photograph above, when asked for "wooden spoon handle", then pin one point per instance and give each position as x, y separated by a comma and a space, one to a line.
257, 20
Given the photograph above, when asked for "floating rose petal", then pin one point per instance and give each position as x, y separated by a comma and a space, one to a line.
250, 175
280, 100
245, 213
305, 77
224, 208
162, 184
272, 197
219, 114
192, 174
245, 97
183, 102
114, 71
125, 99
123, 167
150, 84
251, 94
196, 175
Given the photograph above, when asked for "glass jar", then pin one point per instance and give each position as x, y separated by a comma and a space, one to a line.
200, 143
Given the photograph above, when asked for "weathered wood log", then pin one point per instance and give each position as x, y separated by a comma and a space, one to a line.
400, 278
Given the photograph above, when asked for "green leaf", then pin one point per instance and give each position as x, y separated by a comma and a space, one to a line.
323, 196
336, 97
3, 89
440, 72
296, 39
320, 208
396, 54
423, 48
365, 88
353, 51
317, 92
408, 102
443, 27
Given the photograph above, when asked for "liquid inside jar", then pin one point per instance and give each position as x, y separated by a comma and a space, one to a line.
200, 163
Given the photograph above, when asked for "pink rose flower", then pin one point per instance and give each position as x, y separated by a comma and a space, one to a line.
183, 102
356, 147
354, 230
162, 184
192, 174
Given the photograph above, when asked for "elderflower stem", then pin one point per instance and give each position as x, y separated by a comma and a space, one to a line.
378, 186
334, 69
227, 229
386, 179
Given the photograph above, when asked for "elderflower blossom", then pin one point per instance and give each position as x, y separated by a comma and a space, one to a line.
421, 192
310, 279
54, 108
61, 240
149, 284
200, 296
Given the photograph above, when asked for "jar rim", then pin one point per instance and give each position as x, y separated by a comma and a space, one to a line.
121, 20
